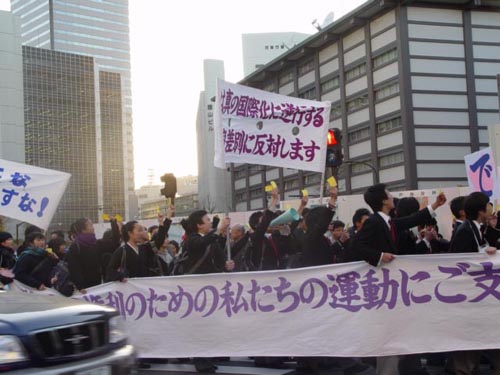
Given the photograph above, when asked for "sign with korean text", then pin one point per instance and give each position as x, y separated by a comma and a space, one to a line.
482, 173
416, 304
29, 193
259, 127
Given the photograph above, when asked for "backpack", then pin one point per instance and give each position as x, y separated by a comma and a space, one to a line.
63, 284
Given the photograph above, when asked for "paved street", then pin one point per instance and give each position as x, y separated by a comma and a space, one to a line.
242, 366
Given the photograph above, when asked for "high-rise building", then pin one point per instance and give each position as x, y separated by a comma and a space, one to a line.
413, 89
93, 28
213, 183
261, 48
72, 118
11, 89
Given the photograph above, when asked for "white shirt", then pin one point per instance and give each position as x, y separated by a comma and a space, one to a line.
387, 219
133, 248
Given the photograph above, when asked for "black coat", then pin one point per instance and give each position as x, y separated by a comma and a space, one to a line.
35, 270
126, 263
318, 249
375, 237
84, 265
467, 239
8, 261
196, 245
265, 256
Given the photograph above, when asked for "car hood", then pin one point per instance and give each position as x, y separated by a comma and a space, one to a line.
21, 313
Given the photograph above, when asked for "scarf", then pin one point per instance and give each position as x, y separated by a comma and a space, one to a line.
36, 251
86, 239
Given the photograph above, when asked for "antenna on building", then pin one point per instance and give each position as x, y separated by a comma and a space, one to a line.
151, 177
316, 24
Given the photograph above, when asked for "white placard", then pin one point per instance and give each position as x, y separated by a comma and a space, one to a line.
30, 194
258, 127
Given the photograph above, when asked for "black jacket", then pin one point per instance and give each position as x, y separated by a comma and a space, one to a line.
375, 237
84, 265
467, 239
126, 263
8, 261
265, 255
196, 245
35, 270
318, 250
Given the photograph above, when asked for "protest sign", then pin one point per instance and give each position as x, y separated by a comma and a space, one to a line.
416, 304
30, 194
482, 173
259, 127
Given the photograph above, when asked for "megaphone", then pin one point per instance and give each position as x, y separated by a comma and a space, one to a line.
286, 217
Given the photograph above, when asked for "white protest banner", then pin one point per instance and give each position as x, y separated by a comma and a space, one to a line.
259, 127
416, 304
30, 194
482, 173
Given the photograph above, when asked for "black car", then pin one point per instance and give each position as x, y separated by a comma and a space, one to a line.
55, 335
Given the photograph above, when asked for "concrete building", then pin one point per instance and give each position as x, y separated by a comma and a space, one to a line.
260, 48
213, 183
11, 89
93, 28
413, 88
73, 123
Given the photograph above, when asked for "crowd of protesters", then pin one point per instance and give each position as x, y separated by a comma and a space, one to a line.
393, 227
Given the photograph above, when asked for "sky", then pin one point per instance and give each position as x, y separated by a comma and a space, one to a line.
169, 41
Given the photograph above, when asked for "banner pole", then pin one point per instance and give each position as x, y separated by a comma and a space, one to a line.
228, 230
322, 188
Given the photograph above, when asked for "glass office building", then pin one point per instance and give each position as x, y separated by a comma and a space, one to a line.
94, 28
60, 126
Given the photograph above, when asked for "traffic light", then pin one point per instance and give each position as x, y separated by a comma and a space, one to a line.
170, 188
334, 157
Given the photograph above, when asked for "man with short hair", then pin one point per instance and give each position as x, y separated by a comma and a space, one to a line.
376, 242
469, 239
457, 209
358, 220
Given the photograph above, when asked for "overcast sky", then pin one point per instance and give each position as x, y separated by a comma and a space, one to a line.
170, 40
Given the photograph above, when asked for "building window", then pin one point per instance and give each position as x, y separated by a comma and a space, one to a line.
309, 94
358, 168
267, 47
256, 193
241, 197
336, 111
359, 135
210, 107
387, 91
385, 58
286, 78
254, 169
355, 72
391, 159
388, 125
357, 103
268, 86
306, 67
330, 85
239, 173
312, 179
291, 185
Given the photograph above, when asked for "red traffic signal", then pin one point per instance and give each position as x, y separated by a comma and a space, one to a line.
334, 157
331, 140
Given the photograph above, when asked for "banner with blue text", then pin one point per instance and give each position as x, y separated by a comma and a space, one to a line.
30, 194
